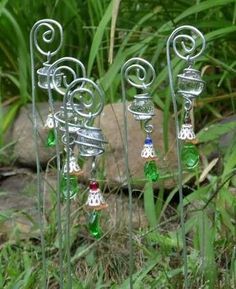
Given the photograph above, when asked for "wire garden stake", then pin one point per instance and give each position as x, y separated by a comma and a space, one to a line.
52, 28
190, 85
71, 125
140, 74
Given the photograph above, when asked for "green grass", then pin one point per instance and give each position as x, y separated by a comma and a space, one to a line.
141, 29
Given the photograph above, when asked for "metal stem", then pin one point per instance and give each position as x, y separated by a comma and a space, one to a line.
180, 176
47, 38
145, 74
130, 227
68, 202
173, 38
35, 138
58, 192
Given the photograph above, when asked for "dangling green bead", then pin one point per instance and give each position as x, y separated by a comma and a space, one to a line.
51, 139
150, 171
189, 156
94, 227
73, 187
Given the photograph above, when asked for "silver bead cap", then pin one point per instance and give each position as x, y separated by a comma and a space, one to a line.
95, 200
186, 132
148, 151
74, 168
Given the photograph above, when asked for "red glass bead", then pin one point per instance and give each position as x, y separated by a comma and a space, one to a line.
93, 186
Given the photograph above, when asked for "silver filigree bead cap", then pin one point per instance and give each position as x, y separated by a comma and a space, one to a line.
186, 132
74, 168
91, 141
190, 83
142, 107
49, 123
95, 200
42, 77
148, 150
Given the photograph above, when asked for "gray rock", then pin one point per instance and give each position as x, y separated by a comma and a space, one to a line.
112, 123
22, 135
19, 201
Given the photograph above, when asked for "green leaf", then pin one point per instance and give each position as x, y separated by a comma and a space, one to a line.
213, 132
203, 6
98, 36
10, 115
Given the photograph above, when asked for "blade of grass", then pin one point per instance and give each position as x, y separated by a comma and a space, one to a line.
97, 39
149, 204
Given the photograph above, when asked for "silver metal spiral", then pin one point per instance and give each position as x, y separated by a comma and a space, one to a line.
86, 99
48, 37
187, 42
140, 74
88, 95
68, 69
46, 31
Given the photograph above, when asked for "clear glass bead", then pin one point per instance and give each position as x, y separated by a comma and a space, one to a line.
190, 82
142, 108
73, 120
91, 142
43, 80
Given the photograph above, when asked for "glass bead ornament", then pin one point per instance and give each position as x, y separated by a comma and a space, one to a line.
151, 171
51, 138
91, 141
186, 132
150, 167
93, 225
74, 168
189, 156
142, 107
70, 191
73, 120
95, 199
43, 77
190, 83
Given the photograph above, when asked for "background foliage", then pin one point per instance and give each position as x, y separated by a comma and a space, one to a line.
103, 34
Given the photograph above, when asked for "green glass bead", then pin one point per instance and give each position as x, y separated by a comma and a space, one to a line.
94, 227
189, 156
73, 187
51, 138
150, 171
